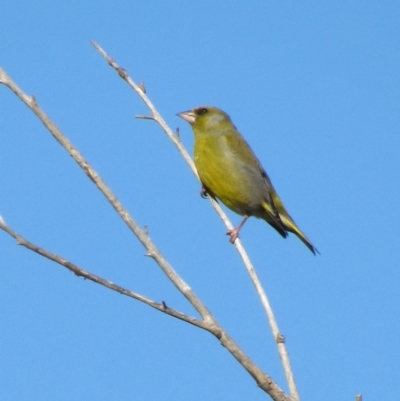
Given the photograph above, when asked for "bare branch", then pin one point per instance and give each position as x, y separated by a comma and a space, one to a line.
209, 322
101, 185
174, 137
262, 379
99, 280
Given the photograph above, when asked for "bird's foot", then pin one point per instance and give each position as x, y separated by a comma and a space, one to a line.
233, 234
204, 192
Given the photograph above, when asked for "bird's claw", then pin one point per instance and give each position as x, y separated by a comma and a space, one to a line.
204, 193
233, 234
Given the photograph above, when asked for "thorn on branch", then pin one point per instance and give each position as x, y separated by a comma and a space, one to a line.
146, 230
149, 254
121, 72
280, 339
32, 99
177, 133
218, 334
89, 172
142, 87
164, 305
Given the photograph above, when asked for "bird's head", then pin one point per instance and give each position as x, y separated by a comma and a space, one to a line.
206, 118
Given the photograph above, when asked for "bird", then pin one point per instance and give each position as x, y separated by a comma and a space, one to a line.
229, 171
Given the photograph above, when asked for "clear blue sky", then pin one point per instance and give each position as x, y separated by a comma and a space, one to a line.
314, 88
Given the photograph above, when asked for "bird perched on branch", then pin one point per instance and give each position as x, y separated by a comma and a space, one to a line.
230, 171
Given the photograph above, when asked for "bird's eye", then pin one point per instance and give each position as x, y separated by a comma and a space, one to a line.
202, 111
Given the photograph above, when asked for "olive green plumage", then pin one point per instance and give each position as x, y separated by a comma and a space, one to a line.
230, 171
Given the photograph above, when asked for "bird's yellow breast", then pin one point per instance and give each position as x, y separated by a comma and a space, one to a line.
226, 174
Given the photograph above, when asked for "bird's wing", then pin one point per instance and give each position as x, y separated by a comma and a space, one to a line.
250, 162
271, 206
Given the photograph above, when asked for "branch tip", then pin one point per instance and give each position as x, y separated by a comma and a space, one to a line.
141, 117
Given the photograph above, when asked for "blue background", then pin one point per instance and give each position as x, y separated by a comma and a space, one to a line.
314, 88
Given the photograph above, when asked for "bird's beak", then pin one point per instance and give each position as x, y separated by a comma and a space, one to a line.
188, 116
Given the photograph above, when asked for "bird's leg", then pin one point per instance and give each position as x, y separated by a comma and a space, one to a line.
204, 192
235, 232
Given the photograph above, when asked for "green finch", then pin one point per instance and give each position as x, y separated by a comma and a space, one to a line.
230, 171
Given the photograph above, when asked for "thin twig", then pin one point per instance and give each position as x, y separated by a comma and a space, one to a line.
210, 323
144, 117
151, 248
155, 115
99, 280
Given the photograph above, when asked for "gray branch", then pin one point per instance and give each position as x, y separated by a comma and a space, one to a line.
208, 321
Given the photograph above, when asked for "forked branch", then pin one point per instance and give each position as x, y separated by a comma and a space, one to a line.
208, 321
155, 115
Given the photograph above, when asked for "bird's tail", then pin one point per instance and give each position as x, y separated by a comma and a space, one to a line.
289, 224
